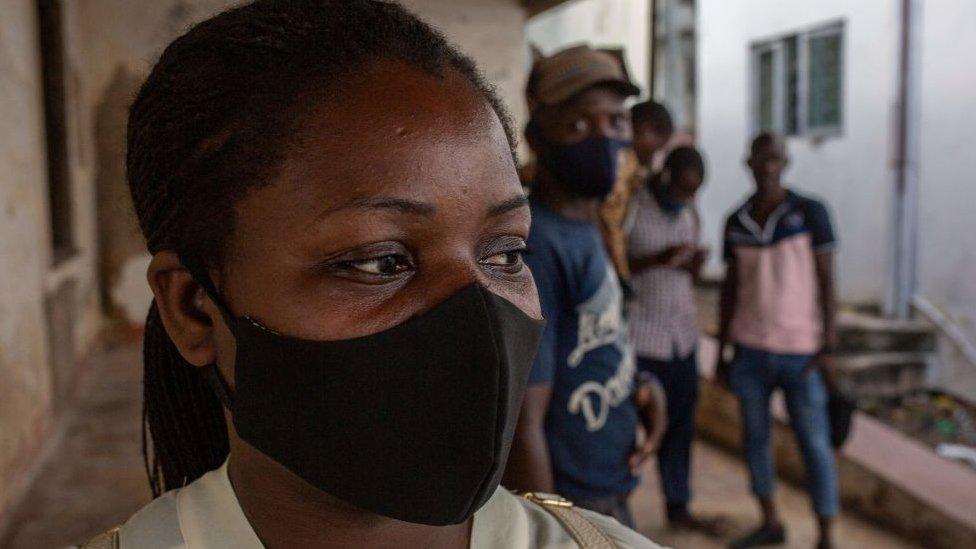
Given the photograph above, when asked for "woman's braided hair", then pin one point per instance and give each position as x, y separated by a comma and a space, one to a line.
213, 120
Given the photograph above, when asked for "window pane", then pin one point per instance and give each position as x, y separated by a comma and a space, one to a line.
825, 81
791, 116
767, 118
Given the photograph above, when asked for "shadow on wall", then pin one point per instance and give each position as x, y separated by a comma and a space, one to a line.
122, 252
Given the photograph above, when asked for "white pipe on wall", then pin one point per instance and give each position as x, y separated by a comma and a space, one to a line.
903, 276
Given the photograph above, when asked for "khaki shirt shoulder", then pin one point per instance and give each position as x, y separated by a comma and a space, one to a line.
206, 515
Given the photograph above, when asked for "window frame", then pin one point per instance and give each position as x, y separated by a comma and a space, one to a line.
777, 45
827, 129
776, 48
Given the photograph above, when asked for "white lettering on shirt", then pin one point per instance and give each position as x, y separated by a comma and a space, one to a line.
601, 323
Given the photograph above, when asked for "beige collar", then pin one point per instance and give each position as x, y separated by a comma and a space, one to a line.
210, 517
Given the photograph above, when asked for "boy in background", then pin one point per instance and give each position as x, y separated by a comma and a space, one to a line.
777, 308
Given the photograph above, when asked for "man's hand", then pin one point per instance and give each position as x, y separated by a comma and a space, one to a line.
696, 262
678, 257
722, 371
823, 362
722, 367
652, 405
675, 257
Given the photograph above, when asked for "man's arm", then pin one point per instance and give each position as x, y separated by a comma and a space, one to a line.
641, 264
726, 311
697, 261
828, 311
828, 297
695, 264
824, 242
529, 468
652, 405
673, 257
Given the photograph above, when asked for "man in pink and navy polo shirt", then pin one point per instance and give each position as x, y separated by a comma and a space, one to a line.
778, 310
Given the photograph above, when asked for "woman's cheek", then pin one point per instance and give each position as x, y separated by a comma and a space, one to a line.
524, 295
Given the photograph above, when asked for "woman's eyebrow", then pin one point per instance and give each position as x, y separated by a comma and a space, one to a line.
402, 205
513, 203
416, 207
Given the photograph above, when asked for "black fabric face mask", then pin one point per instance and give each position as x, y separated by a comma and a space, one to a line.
413, 423
587, 168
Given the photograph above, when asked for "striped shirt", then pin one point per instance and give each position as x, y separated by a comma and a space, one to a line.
663, 323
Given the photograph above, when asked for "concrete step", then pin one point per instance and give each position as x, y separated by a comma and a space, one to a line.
881, 375
882, 473
860, 332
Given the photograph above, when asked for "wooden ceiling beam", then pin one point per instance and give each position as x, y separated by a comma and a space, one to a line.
535, 7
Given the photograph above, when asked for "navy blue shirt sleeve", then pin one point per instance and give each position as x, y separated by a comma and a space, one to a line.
821, 229
549, 280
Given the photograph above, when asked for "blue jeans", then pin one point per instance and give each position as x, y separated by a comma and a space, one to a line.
679, 378
753, 375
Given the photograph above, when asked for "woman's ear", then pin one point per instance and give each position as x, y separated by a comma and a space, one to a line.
182, 308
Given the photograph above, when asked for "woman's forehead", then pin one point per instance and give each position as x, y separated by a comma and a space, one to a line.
389, 102
396, 131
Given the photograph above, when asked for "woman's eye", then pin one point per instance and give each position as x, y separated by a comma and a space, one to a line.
505, 259
387, 265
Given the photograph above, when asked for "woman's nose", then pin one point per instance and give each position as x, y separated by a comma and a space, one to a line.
450, 277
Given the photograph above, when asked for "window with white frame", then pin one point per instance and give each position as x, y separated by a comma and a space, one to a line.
798, 82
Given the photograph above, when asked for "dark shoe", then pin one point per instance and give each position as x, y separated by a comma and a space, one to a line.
765, 535
711, 526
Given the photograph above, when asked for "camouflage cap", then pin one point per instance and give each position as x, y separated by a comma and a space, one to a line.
560, 76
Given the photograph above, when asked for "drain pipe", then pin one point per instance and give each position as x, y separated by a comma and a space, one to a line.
903, 277
652, 68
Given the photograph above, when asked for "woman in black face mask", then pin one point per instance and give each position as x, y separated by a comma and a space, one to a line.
343, 325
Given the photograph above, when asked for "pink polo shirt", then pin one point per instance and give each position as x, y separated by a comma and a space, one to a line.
777, 304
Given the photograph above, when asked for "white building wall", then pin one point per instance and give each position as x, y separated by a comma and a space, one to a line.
947, 182
852, 171
601, 23
37, 360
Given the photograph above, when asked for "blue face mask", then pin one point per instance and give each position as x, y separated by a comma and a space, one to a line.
587, 168
667, 201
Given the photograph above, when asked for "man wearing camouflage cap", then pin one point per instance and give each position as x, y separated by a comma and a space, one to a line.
576, 432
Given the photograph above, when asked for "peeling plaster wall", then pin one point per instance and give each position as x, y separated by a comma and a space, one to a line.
28, 392
121, 39
492, 32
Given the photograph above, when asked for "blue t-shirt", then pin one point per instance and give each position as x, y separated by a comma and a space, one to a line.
591, 423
